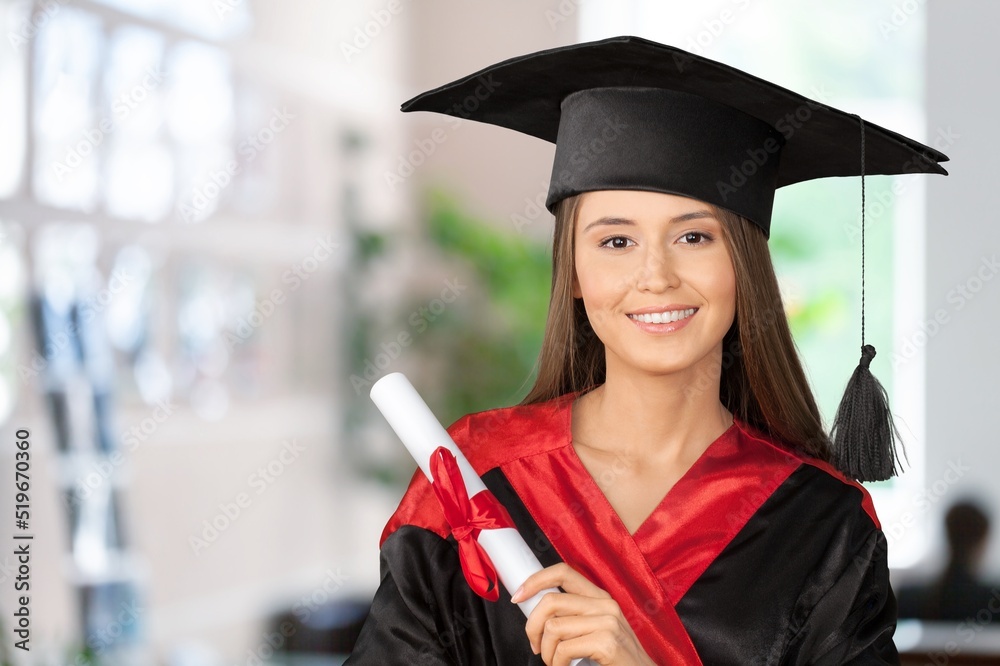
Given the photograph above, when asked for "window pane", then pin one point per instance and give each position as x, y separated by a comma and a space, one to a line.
68, 51
140, 168
200, 121
260, 152
13, 23
214, 19
12, 285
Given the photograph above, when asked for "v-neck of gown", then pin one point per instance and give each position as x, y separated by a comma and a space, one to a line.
649, 570
664, 504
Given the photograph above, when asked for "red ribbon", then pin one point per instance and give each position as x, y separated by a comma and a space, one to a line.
467, 519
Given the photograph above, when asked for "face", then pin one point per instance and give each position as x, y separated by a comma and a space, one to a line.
656, 278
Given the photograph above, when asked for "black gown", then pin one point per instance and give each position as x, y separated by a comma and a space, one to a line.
757, 555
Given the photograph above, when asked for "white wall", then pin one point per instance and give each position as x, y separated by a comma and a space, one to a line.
496, 172
963, 358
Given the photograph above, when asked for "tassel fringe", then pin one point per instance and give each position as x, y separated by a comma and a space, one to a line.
864, 434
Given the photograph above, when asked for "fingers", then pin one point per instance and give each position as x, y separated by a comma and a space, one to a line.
583, 622
565, 606
558, 575
568, 638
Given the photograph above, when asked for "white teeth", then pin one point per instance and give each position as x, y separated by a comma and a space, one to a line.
663, 317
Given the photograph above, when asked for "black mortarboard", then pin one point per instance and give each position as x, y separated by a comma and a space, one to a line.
629, 113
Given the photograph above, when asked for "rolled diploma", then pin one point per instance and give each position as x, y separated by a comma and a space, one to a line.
421, 433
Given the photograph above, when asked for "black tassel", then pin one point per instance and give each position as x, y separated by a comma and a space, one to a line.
864, 434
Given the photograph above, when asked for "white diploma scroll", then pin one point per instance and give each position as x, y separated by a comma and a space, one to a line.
421, 434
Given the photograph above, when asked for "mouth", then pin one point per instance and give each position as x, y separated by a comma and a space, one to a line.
662, 316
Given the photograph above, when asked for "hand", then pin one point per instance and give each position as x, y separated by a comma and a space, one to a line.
583, 622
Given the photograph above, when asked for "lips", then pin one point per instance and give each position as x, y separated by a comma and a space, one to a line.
662, 316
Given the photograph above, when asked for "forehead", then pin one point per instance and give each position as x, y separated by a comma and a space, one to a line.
636, 205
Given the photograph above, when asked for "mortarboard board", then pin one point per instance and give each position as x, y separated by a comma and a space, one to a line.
630, 113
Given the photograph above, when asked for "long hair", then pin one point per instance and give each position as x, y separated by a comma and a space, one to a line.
762, 382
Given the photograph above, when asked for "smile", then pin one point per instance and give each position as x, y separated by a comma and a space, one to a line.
663, 317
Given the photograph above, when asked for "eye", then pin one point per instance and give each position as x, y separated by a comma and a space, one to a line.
695, 234
616, 242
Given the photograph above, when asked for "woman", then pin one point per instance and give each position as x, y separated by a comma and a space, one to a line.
669, 467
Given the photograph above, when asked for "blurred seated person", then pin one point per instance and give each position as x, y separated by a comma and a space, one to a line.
956, 594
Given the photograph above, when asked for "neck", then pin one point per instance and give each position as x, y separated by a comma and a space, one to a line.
663, 417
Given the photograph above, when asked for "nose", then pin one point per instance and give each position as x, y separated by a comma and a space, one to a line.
656, 272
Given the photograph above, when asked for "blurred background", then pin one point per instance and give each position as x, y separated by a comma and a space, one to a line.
217, 229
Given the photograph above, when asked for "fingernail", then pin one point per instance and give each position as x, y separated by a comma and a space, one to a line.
534, 648
516, 597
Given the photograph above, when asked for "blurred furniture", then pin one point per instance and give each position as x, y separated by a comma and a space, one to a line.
324, 636
973, 641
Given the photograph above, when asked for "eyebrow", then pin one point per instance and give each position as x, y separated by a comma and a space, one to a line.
612, 220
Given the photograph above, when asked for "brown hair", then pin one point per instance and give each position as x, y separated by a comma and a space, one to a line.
762, 382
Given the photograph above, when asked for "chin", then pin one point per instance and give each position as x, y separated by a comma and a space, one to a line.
655, 366
658, 365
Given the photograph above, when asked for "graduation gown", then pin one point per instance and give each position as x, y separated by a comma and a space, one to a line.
757, 555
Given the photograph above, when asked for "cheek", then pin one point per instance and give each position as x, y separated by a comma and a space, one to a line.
589, 290
598, 287
598, 283
584, 284
725, 283
724, 286
714, 279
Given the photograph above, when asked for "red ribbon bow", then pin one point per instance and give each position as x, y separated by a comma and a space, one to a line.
467, 518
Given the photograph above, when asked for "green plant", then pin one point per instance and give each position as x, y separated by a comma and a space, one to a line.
489, 343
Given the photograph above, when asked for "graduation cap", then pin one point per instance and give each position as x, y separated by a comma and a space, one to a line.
628, 113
